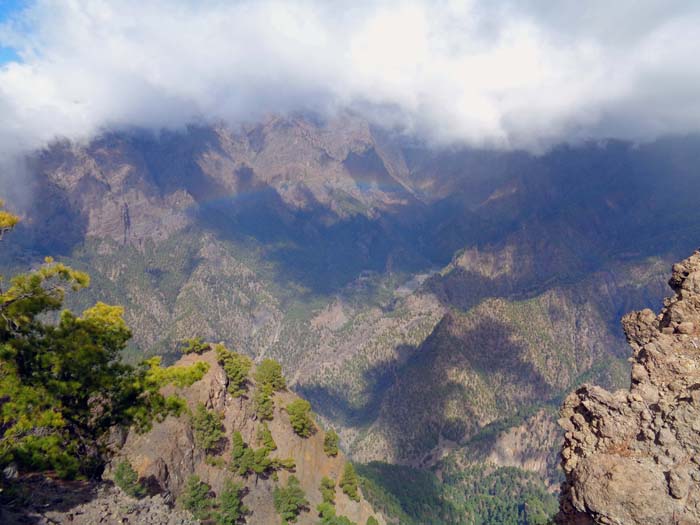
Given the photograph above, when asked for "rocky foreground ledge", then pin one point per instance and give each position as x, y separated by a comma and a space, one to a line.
633, 456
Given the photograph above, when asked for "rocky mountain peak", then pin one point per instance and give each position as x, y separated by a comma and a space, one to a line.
633, 456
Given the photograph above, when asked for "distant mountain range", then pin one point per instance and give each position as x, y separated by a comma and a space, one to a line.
429, 303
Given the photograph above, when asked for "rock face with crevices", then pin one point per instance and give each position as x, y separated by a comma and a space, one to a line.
633, 457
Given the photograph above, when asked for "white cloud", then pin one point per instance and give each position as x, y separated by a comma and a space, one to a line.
503, 73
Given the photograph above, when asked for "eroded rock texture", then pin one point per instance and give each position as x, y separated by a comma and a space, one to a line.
633, 457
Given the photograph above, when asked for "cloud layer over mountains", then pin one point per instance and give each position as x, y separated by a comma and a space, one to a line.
507, 74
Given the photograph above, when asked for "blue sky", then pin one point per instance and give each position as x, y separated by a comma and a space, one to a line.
7, 9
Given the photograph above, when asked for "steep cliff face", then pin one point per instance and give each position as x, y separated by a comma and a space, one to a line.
167, 455
633, 456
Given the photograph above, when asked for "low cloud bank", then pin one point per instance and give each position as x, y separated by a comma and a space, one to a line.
501, 74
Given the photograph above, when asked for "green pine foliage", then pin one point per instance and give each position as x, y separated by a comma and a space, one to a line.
194, 345
299, 412
265, 438
372, 521
263, 402
237, 367
269, 372
290, 501
330, 443
125, 478
230, 504
329, 517
327, 489
246, 460
241, 455
197, 498
349, 482
208, 428
62, 381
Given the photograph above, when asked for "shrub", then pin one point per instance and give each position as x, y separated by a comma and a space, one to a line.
265, 438
236, 367
299, 411
349, 482
290, 500
245, 460
195, 345
372, 521
329, 517
208, 430
264, 405
327, 489
330, 443
231, 508
196, 498
125, 478
241, 455
269, 372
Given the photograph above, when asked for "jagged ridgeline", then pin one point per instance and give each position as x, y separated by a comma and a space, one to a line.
633, 456
213, 435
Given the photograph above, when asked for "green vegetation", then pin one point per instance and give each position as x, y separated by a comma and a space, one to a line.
299, 412
230, 505
194, 346
264, 404
246, 460
125, 478
7, 220
62, 380
269, 372
265, 438
330, 443
328, 516
237, 367
196, 498
327, 489
208, 430
290, 501
349, 482
372, 521
475, 495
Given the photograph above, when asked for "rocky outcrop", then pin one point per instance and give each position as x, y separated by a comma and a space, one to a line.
633, 456
167, 455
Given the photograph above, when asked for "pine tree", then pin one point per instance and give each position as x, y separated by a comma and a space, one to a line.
269, 372
237, 367
265, 438
301, 422
196, 498
290, 501
349, 482
208, 430
327, 489
125, 478
264, 405
231, 508
330, 443
195, 345
62, 382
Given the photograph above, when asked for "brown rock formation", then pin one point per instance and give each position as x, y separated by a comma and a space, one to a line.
167, 455
633, 457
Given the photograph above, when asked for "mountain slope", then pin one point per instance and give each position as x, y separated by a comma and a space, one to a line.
359, 259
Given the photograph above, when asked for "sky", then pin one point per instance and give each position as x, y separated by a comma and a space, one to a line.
506, 74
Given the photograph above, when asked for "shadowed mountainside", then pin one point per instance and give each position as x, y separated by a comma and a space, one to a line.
371, 267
